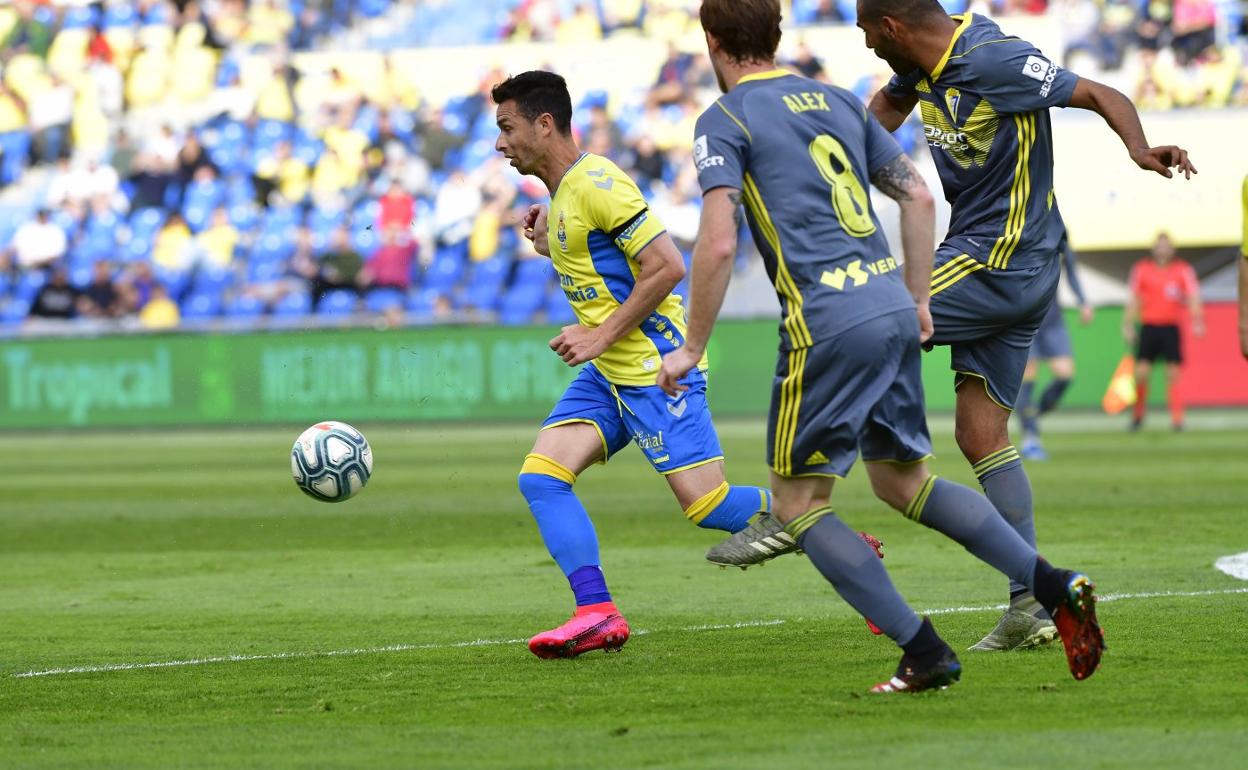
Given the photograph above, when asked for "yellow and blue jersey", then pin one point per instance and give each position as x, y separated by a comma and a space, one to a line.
985, 114
598, 224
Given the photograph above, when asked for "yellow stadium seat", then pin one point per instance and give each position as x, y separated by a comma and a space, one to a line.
158, 36
121, 41
149, 75
196, 68
68, 53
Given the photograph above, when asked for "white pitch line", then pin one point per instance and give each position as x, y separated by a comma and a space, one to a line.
109, 667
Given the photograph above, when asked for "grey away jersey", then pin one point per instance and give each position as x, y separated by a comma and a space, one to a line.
985, 114
802, 154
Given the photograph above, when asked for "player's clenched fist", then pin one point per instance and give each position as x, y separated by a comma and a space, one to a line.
577, 344
675, 366
535, 228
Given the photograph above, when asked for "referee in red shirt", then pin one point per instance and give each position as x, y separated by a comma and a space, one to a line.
1162, 286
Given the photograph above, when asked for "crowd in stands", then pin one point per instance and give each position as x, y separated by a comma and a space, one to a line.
160, 183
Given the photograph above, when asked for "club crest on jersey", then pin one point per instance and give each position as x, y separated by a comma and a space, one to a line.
953, 97
562, 233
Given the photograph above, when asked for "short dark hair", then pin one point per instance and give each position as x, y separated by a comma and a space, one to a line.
536, 93
747, 30
909, 11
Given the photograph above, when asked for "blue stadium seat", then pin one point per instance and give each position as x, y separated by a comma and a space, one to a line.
145, 222
384, 298
364, 240
138, 249
296, 303
80, 276
14, 310
120, 15
244, 216
272, 247
558, 311
196, 216
79, 17
244, 306
199, 306
264, 270
520, 305
28, 285
337, 302
176, 282
444, 273
213, 279
422, 302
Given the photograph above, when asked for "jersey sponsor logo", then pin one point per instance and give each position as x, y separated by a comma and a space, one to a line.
648, 440
968, 143
806, 101
576, 293
562, 233
1042, 70
854, 272
702, 157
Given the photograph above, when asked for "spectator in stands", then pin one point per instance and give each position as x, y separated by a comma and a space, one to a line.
397, 208
50, 111
621, 14
101, 298
338, 268
533, 20
1194, 30
391, 264
436, 140
670, 85
80, 182
581, 27
38, 242
28, 34
56, 298
283, 173
191, 158
14, 134
160, 312
807, 64
455, 209
171, 248
276, 99
150, 181
268, 23
122, 156
216, 244
385, 146
827, 12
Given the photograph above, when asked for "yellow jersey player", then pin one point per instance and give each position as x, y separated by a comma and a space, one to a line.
618, 267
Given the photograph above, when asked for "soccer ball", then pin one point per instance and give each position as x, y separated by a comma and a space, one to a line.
331, 461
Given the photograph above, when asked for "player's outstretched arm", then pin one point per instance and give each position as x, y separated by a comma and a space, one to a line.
662, 267
892, 111
900, 180
1120, 114
712, 270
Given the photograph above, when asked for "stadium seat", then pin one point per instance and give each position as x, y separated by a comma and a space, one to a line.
79, 17
244, 306
338, 302
296, 303
28, 285
520, 304
145, 222
444, 273
200, 306
80, 276
558, 311
120, 15
264, 270
364, 240
213, 279
384, 298
14, 310
422, 302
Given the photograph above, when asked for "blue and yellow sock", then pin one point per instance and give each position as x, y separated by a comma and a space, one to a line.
728, 508
565, 526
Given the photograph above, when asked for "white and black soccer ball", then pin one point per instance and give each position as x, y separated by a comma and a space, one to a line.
331, 461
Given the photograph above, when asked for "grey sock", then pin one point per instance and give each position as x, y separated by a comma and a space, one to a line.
855, 572
1006, 484
968, 518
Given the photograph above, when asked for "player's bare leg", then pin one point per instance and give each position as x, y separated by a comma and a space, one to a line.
852, 568
559, 455
1174, 395
1143, 373
982, 433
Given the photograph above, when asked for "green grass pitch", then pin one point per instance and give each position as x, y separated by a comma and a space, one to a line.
134, 548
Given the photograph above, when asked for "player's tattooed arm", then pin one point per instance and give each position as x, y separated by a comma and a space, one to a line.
899, 179
735, 197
